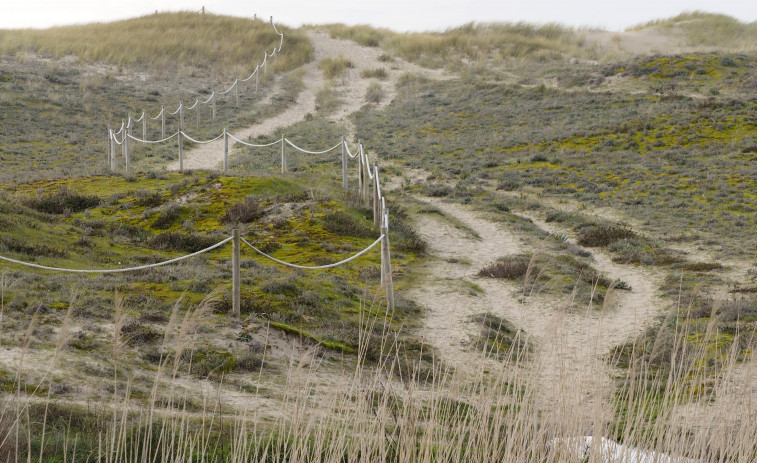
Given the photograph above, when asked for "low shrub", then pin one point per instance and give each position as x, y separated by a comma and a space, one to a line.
168, 216
342, 223
595, 235
509, 268
334, 67
192, 242
376, 73
374, 93
136, 334
246, 211
63, 201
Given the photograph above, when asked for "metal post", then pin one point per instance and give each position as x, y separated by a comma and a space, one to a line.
283, 159
225, 150
181, 151
386, 263
162, 122
235, 292
344, 163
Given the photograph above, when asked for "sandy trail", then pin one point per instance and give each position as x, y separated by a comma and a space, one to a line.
569, 345
350, 87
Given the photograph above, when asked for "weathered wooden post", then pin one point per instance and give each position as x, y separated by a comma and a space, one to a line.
144, 125
110, 148
181, 116
283, 158
236, 91
225, 150
198, 115
213, 100
127, 145
265, 63
386, 263
163, 121
235, 291
377, 215
344, 163
180, 142
360, 170
257, 76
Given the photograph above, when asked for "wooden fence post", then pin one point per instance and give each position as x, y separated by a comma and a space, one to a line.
144, 125
265, 63
235, 292
127, 145
283, 158
360, 171
344, 163
180, 142
163, 121
181, 116
386, 263
236, 91
377, 216
198, 115
110, 148
257, 76
213, 100
225, 150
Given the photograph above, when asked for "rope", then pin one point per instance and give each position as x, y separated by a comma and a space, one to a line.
141, 117
159, 114
201, 142
252, 144
251, 75
312, 152
366, 163
119, 270
319, 266
230, 88
115, 139
181, 105
209, 98
120, 130
193, 106
349, 153
154, 141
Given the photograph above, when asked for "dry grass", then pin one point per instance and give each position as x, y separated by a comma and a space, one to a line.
335, 67
708, 29
166, 41
503, 411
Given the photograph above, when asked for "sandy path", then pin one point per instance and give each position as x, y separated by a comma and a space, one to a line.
568, 344
350, 87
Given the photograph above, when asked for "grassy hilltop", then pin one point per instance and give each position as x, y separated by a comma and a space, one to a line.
572, 229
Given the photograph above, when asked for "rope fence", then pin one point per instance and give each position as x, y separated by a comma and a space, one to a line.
235, 238
211, 99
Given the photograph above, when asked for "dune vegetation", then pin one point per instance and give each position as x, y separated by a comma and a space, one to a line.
571, 230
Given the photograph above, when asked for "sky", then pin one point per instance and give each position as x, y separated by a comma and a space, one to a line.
398, 15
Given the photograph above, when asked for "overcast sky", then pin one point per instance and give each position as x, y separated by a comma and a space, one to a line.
399, 15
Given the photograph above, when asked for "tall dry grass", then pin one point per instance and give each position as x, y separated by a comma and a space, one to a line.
166, 40
671, 401
471, 42
710, 30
